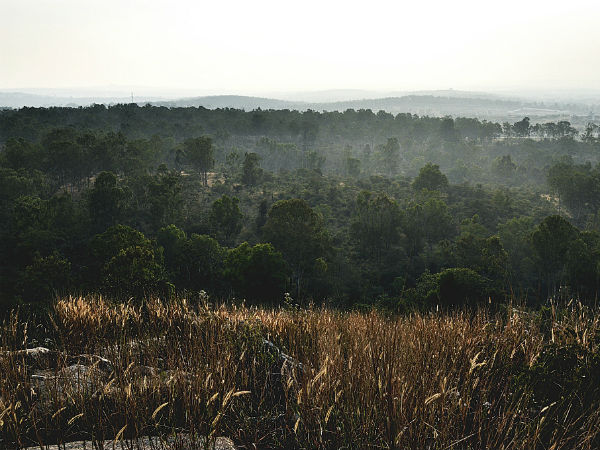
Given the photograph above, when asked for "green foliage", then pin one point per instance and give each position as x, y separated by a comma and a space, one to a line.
484, 255
163, 197
376, 225
461, 286
515, 237
135, 271
390, 153
251, 171
298, 232
68, 175
426, 223
551, 241
353, 167
106, 201
431, 178
456, 287
257, 273
505, 167
20, 154
522, 128
226, 218
199, 153
172, 240
46, 278
578, 187
194, 263
126, 264
425, 293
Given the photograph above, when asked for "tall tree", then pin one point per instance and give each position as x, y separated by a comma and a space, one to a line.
391, 155
551, 241
376, 225
430, 177
106, 201
298, 232
226, 218
199, 153
251, 171
522, 127
257, 274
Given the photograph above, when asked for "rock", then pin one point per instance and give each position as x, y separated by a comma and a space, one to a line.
99, 362
287, 361
42, 358
69, 380
39, 358
180, 442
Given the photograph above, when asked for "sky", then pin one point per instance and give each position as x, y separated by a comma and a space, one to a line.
260, 46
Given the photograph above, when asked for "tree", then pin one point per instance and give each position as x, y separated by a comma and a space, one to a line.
484, 255
261, 217
135, 271
582, 265
199, 153
251, 171
578, 187
173, 241
46, 277
298, 232
375, 231
257, 274
591, 134
522, 127
376, 225
515, 236
232, 161
64, 156
163, 196
194, 263
460, 286
454, 287
430, 177
126, 264
315, 161
106, 201
426, 223
226, 218
447, 130
391, 154
505, 167
20, 154
202, 264
352, 167
551, 241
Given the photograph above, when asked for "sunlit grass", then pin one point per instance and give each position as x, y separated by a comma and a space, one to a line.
356, 380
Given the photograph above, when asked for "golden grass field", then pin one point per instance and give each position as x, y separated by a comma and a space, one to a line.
302, 378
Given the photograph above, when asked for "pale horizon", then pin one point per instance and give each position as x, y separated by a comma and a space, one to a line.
269, 47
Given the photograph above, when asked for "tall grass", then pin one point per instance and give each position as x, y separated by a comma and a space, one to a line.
356, 380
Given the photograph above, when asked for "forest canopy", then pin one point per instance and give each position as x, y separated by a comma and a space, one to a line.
349, 208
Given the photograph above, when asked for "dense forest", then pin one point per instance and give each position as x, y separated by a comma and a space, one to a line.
348, 208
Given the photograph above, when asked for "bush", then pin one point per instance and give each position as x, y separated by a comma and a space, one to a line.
450, 288
461, 286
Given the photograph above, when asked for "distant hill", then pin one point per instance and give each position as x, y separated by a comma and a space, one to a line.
233, 101
425, 103
485, 107
430, 105
420, 104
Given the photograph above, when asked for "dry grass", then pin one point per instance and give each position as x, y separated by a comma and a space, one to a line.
439, 381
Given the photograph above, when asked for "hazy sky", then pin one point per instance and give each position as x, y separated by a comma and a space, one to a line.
255, 46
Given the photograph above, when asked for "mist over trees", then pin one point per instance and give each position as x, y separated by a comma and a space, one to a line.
350, 208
